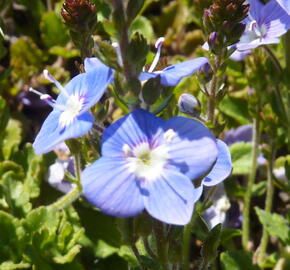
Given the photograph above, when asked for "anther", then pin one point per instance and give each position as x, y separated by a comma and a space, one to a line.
169, 135
49, 77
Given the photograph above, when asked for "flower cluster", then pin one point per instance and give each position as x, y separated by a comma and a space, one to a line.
147, 163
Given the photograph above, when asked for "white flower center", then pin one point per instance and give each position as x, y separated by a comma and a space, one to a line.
70, 110
146, 163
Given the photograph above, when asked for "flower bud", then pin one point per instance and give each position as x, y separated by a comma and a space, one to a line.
188, 104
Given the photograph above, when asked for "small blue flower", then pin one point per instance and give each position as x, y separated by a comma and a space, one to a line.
285, 4
264, 25
69, 118
172, 75
148, 163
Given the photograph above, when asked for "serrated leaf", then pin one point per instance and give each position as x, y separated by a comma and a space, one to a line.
41, 217
10, 240
237, 260
12, 138
69, 256
241, 157
275, 224
236, 109
8, 165
53, 31
14, 194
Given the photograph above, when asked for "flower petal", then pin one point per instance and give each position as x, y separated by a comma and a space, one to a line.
91, 63
193, 149
51, 133
108, 185
285, 4
90, 86
172, 75
222, 168
132, 129
170, 198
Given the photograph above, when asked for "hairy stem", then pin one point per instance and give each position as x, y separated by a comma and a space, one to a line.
251, 179
186, 243
162, 244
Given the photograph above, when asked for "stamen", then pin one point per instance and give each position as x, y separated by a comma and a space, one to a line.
126, 149
169, 135
158, 46
49, 77
252, 25
47, 98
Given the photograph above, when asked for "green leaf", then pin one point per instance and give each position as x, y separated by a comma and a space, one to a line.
13, 266
53, 31
133, 8
275, 224
209, 249
12, 138
64, 52
259, 189
142, 25
228, 234
241, 157
4, 117
236, 109
41, 217
26, 59
14, 194
10, 240
237, 260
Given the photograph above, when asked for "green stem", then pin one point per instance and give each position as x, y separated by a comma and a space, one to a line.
268, 205
67, 199
138, 256
162, 244
187, 232
252, 175
148, 248
273, 58
286, 43
213, 88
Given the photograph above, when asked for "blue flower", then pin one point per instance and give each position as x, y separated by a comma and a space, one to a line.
172, 75
285, 4
148, 163
264, 25
222, 168
69, 118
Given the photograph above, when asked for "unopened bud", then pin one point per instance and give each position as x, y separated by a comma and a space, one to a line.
188, 104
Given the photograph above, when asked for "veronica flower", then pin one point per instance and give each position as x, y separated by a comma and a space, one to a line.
172, 75
285, 4
264, 25
69, 118
148, 163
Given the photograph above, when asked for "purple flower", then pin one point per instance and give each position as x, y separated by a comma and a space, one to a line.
264, 25
285, 4
188, 104
240, 134
69, 118
148, 163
